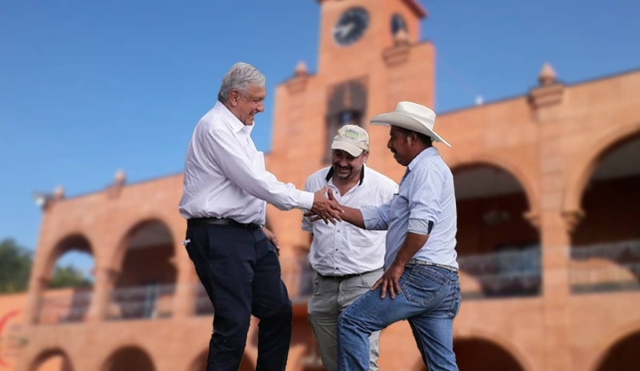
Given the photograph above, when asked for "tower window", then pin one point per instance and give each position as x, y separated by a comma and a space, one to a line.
346, 106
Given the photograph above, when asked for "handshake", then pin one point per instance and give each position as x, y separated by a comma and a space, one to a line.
325, 207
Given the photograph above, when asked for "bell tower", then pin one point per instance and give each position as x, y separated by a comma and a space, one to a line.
354, 32
370, 57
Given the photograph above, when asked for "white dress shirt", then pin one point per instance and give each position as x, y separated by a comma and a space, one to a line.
225, 176
343, 248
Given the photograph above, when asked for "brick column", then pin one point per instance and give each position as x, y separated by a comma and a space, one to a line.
184, 304
546, 101
556, 291
555, 238
100, 299
37, 287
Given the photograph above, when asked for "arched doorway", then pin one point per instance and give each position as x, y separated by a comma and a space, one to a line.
145, 285
67, 286
623, 355
606, 241
498, 248
200, 363
484, 355
129, 358
52, 360
477, 354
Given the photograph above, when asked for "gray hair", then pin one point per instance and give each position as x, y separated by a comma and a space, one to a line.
239, 77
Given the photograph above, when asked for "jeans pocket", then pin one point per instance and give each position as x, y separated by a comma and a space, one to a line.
421, 289
454, 297
430, 272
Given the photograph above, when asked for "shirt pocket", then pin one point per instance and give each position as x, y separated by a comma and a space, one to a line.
399, 207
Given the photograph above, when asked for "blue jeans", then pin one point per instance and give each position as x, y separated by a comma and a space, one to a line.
430, 300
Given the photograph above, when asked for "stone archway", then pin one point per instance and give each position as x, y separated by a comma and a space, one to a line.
200, 363
145, 283
622, 355
605, 248
75, 241
65, 297
477, 354
588, 162
51, 360
523, 177
129, 358
498, 246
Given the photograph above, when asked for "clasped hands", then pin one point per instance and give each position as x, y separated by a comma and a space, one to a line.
325, 207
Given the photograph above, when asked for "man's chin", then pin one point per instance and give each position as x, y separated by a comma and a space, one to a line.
395, 157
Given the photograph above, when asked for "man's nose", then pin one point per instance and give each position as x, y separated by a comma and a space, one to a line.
260, 107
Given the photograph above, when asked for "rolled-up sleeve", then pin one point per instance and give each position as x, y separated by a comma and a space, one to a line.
424, 200
376, 218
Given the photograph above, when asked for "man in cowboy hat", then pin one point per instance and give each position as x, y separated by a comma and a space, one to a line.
420, 281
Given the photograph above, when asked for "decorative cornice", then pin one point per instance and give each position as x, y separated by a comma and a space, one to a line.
397, 54
572, 218
297, 84
533, 218
550, 92
546, 96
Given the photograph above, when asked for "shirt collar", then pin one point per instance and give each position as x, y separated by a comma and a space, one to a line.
330, 174
427, 152
235, 124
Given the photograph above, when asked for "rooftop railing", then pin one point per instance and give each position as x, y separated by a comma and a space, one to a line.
605, 267
510, 272
507, 273
64, 306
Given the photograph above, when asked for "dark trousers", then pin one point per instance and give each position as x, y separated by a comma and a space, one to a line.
240, 270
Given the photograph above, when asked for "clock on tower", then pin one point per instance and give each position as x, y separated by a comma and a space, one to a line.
351, 25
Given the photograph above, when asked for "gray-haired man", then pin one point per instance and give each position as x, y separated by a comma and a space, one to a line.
226, 189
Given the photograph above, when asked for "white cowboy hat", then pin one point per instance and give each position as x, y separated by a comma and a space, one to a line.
411, 116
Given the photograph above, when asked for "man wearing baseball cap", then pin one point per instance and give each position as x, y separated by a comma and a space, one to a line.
347, 260
420, 281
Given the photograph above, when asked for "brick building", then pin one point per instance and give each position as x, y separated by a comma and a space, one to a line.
548, 234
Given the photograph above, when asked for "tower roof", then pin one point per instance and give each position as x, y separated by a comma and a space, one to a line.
417, 8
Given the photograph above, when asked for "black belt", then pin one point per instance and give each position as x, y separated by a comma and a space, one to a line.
220, 221
345, 276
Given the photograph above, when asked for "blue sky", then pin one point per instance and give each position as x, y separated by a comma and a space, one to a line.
90, 87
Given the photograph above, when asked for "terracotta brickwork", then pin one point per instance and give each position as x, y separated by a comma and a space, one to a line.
547, 233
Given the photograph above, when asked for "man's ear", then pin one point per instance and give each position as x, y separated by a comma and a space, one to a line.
411, 138
234, 97
365, 156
